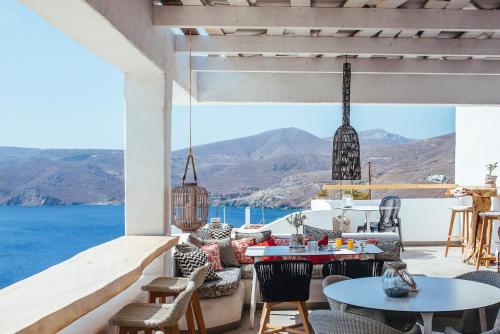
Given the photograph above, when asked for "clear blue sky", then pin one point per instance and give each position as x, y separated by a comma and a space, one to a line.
55, 93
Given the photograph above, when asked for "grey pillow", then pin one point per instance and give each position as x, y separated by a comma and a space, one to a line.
259, 236
226, 252
199, 237
317, 234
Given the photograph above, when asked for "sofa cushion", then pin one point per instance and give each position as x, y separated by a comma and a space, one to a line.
240, 248
213, 255
188, 262
225, 286
258, 236
227, 256
200, 236
314, 233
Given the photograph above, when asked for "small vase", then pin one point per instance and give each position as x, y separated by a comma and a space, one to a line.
397, 281
491, 181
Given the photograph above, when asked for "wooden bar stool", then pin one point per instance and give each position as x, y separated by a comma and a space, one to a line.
465, 211
162, 287
284, 281
147, 317
484, 234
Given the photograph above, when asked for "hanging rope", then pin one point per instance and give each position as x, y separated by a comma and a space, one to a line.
346, 93
190, 154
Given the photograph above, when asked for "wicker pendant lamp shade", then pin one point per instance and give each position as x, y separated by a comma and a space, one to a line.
346, 164
189, 201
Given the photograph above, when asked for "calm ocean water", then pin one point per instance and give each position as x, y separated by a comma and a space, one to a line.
35, 238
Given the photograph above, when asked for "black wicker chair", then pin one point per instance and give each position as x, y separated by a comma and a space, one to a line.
353, 268
389, 218
284, 281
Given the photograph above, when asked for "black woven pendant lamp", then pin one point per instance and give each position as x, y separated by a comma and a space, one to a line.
346, 163
189, 201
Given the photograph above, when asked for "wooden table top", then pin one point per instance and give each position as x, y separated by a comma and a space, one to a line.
52, 299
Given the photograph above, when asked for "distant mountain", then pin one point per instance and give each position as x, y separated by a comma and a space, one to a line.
48, 177
279, 168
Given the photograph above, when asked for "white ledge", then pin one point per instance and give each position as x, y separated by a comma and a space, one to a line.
49, 301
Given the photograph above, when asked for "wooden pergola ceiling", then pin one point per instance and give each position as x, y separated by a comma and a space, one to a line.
363, 29
396, 47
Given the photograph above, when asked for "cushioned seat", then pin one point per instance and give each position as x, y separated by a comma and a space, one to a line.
490, 214
247, 271
460, 208
167, 285
227, 285
143, 315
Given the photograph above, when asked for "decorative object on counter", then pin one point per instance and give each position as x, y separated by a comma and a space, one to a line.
346, 163
347, 201
297, 220
397, 281
491, 180
189, 201
341, 224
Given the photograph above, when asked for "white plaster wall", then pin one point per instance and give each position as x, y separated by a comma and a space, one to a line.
422, 219
477, 144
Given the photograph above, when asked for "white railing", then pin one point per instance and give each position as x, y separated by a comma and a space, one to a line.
422, 219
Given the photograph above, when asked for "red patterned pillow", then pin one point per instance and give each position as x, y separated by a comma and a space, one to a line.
281, 241
213, 255
240, 247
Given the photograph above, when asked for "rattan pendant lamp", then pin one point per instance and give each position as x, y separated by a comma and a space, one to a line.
189, 201
346, 163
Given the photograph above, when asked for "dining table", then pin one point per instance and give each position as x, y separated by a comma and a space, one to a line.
481, 202
259, 252
366, 209
435, 294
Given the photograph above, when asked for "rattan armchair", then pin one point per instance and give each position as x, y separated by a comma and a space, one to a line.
353, 268
334, 322
163, 317
285, 281
468, 321
376, 315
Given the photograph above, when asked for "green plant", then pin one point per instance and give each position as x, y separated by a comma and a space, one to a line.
296, 220
357, 195
491, 167
322, 193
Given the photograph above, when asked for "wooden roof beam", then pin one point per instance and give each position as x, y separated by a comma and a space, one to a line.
340, 45
236, 17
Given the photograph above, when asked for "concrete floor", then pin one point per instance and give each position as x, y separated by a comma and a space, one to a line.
421, 260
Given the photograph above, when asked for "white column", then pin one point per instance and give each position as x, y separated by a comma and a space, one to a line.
148, 99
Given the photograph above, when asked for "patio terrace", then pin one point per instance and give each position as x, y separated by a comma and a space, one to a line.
284, 51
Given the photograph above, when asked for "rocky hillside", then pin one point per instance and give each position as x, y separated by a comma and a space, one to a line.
48, 177
287, 167
279, 168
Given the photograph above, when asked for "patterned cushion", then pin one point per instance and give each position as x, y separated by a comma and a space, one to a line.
187, 262
227, 257
213, 255
259, 236
226, 286
221, 233
240, 247
280, 241
314, 233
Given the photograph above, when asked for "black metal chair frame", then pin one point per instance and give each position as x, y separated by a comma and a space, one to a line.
353, 268
284, 281
389, 218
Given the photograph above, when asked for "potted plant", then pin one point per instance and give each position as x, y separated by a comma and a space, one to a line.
491, 180
296, 220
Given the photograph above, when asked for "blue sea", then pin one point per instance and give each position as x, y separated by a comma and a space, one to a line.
35, 238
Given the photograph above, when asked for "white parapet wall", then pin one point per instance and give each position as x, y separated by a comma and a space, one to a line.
422, 219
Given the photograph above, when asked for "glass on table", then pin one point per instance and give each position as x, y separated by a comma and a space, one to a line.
350, 244
338, 243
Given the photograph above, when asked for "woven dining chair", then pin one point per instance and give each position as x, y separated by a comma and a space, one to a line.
450, 330
376, 315
353, 268
284, 281
147, 317
334, 322
468, 321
